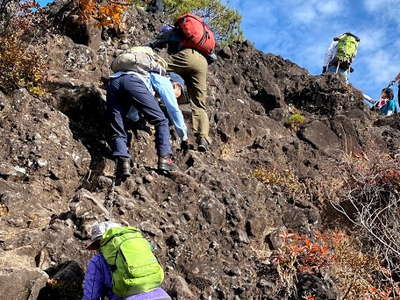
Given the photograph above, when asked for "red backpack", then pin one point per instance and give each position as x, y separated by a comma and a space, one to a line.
196, 32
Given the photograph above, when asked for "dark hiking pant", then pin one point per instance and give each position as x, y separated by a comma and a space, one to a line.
127, 90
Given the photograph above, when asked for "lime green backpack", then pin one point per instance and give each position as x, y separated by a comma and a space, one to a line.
346, 49
134, 267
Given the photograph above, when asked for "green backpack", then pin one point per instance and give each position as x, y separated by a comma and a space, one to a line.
346, 49
134, 267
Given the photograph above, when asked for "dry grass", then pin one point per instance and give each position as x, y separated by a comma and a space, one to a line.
227, 152
3, 210
357, 275
370, 199
285, 179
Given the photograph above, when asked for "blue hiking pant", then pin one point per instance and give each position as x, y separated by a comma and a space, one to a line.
127, 90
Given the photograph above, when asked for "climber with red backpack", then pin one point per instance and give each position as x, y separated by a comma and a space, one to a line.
125, 268
340, 54
191, 44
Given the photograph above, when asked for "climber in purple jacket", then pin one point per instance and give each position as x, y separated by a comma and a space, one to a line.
98, 280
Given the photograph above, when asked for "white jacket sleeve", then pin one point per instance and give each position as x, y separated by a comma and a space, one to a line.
330, 53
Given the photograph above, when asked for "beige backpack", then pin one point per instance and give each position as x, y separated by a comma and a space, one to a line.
139, 59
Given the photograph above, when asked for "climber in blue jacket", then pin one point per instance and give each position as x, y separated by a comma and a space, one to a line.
169, 88
387, 103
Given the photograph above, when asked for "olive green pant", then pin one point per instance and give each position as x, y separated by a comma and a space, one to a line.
193, 67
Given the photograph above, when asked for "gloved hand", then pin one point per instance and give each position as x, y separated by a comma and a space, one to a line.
323, 69
151, 44
185, 146
211, 58
351, 70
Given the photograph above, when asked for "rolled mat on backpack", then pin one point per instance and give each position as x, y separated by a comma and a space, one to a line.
139, 59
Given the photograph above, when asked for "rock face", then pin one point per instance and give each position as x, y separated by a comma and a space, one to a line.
19, 276
320, 136
41, 164
213, 224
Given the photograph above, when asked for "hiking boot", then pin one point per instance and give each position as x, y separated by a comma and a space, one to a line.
166, 164
202, 145
123, 167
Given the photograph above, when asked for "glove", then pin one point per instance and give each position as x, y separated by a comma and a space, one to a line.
374, 108
211, 58
151, 44
323, 69
185, 146
351, 70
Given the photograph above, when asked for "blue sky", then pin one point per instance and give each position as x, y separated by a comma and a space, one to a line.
301, 30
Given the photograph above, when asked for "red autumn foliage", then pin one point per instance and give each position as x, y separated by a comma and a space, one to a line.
108, 13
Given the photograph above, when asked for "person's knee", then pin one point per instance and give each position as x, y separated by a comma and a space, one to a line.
163, 122
159, 121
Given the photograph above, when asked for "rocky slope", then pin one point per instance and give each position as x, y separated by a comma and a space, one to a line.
213, 224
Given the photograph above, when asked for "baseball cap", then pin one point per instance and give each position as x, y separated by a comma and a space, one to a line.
175, 78
97, 231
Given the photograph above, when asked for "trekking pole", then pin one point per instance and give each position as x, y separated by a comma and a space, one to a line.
337, 68
369, 99
391, 84
108, 65
109, 201
348, 74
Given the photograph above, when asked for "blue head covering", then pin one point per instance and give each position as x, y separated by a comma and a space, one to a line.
166, 28
175, 78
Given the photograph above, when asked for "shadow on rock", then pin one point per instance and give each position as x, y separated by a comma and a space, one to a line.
65, 282
85, 107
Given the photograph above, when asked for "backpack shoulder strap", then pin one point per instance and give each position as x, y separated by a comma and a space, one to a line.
118, 247
161, 61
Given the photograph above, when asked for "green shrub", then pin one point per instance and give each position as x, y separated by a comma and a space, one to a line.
295, 120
